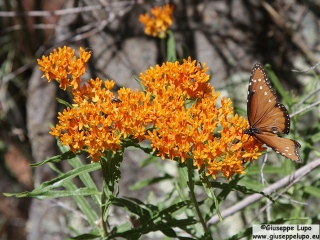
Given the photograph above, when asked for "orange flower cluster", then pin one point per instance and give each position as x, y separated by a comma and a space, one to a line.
61, 63
177, 112
158, 24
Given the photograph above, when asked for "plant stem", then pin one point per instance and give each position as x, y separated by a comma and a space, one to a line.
192, 194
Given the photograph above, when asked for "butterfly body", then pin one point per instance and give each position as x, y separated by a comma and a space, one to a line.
267, 117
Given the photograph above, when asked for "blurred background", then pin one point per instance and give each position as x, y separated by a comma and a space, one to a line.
230, 36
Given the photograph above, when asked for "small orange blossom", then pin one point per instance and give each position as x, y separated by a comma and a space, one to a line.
157, 24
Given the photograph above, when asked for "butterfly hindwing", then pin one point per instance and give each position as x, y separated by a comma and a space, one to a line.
277, 120
286, 147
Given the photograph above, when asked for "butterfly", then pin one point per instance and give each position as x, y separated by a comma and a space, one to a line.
267, 117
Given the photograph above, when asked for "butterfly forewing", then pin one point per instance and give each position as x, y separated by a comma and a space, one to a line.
263, 110
286, 147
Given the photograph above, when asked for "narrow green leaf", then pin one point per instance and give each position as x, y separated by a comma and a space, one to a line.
183, 171
175, 207
169, 232
278, 86
143, 88
185, 52
240, 235
132, 207
85, 178
111, 170
146, 182
315, 137
64, 102
55, 159
208, 188
249, 183
59, 181
160, 226
240, 111
110, 165
65, 193
90, 235
254, 170
171, 47
314, 191
83, 203
227, 188
149, 160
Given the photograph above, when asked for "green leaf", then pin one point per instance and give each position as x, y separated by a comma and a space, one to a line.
90, 235
254, 170
110, 165
171, 47
144, 214
175, 207
185, 52
208, 188
278, 86
55, 159
82, 202
240, 235
227, 188
240, 111
146, 182
143, 88
86, 179
64, 102
183, 171
160, 226
314, 191
64, 193
315, 137
111, 170
249, 183
58, 181
149, 160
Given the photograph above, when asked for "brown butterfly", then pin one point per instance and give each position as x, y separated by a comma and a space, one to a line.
267, 117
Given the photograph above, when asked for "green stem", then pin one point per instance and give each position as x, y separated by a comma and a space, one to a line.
104, 209
193, 196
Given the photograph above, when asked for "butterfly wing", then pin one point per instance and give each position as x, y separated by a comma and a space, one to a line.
267, 117
286, 147
264, 113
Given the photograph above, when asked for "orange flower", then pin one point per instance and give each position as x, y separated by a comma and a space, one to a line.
177, 113
62, 63
158, 24
187, 77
